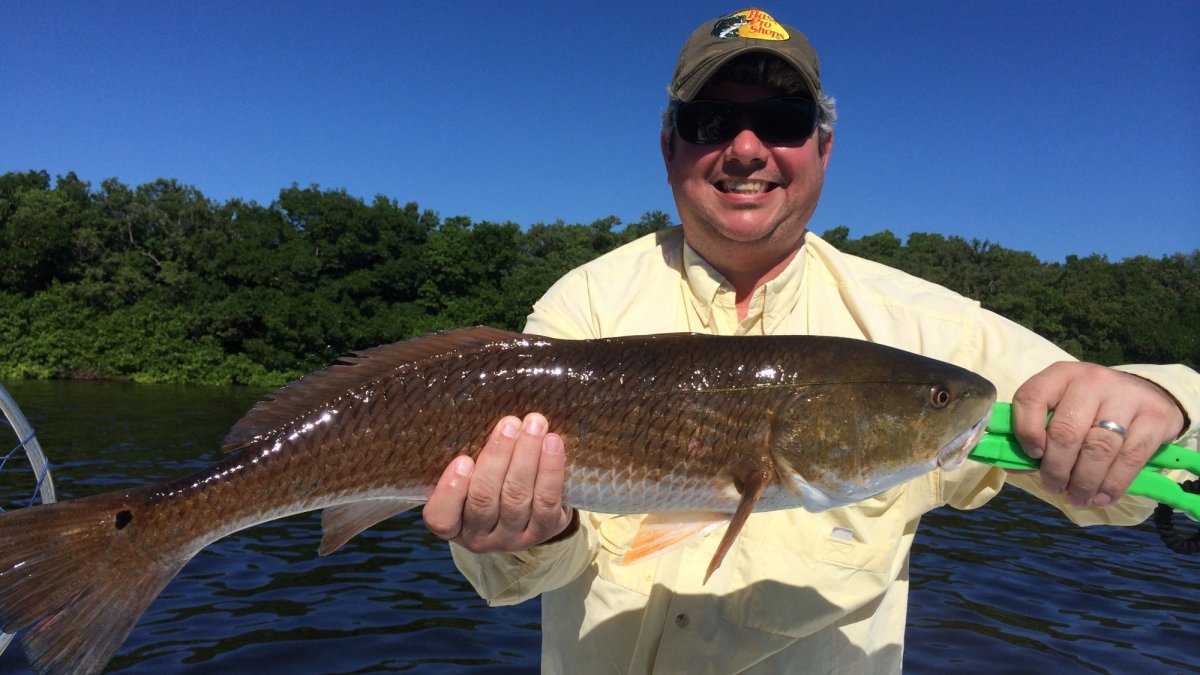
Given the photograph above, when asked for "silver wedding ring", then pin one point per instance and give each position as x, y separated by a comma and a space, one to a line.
1112, 426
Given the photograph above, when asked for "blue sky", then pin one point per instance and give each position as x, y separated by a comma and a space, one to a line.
1054, 127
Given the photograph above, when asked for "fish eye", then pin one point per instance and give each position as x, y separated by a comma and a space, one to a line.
939, 396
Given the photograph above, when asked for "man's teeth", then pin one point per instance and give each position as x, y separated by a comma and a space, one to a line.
746, 187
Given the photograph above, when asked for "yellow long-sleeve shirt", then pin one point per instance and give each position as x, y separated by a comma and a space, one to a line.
798, 592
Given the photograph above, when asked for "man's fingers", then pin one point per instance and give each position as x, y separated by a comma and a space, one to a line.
1029, 425
443, 511
516, 492
549, 516
482, 508
1097, 452
1075, 459
1062, 437
1130, 460
1031, 404
511, 497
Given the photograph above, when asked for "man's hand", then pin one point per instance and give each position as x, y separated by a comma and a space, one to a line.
1094, 465
511, 498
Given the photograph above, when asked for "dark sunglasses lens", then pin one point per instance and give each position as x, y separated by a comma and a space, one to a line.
706, 122
784, 120
776, 120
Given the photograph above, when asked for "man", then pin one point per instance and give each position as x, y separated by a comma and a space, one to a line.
746, 142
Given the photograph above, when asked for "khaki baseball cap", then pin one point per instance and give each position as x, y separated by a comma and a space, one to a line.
718, 40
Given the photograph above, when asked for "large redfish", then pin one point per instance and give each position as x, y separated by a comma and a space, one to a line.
708, 427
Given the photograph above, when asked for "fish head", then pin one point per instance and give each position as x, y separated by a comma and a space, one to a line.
843, 441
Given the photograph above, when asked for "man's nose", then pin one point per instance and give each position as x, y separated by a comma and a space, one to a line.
746, 146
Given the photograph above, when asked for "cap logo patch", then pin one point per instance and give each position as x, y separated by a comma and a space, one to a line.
754, 24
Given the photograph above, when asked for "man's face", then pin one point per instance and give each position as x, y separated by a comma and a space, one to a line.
744, 203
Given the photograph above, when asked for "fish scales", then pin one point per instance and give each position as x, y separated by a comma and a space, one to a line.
654, 424
627, 398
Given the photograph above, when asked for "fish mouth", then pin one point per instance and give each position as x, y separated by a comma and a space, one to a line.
953, 454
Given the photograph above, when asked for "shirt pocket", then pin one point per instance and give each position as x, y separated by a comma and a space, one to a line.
803, 571
616, 534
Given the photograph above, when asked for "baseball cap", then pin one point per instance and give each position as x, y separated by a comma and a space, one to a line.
718, 40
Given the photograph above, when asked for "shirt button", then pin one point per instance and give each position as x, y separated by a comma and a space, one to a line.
682, 620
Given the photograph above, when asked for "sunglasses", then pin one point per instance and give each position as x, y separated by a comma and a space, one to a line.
784, 120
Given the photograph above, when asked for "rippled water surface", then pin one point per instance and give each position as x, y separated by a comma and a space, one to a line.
1010, 588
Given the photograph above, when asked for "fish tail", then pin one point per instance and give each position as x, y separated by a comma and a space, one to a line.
75, 577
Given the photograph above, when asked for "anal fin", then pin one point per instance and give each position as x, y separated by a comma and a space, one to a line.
662, 532
339, 524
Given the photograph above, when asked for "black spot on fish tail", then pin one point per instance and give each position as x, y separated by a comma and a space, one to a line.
73, 584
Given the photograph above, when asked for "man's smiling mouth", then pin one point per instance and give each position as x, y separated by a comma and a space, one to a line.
744, 187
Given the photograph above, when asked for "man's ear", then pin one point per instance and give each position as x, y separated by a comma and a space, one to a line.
666, 142
824, 150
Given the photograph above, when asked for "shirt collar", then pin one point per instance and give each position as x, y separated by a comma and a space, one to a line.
713, 297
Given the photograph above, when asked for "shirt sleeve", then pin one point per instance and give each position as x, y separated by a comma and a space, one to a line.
509, 578
565, 311
1183, 384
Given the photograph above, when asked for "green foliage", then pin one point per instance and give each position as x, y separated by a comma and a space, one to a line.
157, 283
1139, 310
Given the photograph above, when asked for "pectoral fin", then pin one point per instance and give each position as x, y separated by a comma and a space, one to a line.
751, 482
340, 523
662, 532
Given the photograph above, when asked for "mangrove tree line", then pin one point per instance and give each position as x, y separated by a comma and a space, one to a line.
159, 283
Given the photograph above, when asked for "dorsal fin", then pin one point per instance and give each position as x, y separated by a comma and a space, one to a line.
309, 393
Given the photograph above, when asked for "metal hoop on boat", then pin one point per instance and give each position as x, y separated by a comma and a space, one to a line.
27, 440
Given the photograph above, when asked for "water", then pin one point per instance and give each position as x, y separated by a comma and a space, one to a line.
1010, 588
